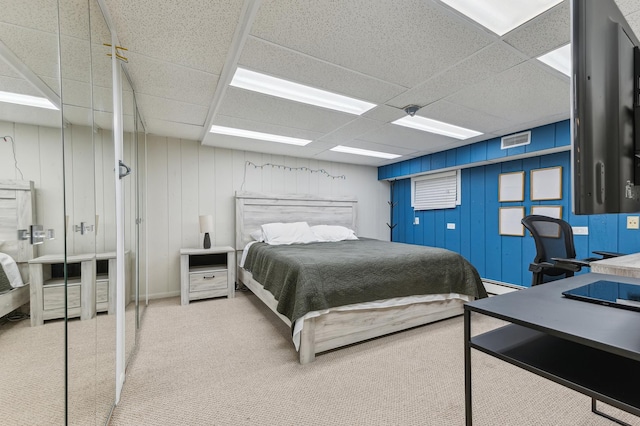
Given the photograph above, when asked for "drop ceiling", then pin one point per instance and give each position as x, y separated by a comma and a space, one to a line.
182, 55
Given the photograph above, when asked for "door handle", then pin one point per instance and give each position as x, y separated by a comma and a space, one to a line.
127, 169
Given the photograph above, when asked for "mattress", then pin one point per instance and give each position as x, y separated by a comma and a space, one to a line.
317, 277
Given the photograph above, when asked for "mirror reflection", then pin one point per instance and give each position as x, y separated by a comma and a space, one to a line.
58, 187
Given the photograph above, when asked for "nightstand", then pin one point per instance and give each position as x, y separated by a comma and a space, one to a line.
206, 273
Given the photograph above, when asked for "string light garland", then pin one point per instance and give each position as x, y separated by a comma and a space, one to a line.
287, 168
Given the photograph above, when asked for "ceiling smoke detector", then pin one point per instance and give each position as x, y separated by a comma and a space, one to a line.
411, 110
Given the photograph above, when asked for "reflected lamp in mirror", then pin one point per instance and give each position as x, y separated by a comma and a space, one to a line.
206, 227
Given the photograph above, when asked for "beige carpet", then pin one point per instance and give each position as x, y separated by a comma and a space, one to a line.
231, 362
32, 381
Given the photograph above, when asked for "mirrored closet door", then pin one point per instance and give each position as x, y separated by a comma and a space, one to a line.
58, 214
32, 192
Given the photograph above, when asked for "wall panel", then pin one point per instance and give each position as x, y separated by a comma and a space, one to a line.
476, 237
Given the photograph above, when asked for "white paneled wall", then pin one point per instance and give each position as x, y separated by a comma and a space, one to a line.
187, 179
89, 177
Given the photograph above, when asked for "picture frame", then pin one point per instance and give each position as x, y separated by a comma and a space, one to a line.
511, 187
546, 184
510, 221
551, 211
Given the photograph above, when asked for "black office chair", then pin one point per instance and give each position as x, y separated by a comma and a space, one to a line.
555, 252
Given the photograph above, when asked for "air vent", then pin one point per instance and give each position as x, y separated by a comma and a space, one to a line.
518, 139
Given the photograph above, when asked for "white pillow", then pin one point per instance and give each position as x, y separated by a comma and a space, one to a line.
11, 269
288, 233
331, 233
257, 235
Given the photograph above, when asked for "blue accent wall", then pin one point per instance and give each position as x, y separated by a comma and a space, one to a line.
476, 236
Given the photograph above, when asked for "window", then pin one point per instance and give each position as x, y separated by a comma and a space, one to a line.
436, 191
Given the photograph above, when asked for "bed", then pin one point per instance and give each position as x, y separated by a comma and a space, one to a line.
16, 212
327, 327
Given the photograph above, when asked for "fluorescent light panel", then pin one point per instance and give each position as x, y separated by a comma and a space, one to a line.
501, 16
434, 126
34, 101
358, 151
559, 59
251, 80
231, 131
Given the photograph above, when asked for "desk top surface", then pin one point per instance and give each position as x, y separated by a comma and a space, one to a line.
628, 266
543, 308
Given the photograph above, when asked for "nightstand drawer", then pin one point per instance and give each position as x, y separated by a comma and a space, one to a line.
53, 297
208, 280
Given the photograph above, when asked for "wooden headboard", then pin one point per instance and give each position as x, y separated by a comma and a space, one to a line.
17, 211
255, 209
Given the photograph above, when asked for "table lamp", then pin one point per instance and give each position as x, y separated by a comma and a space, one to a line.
206, 226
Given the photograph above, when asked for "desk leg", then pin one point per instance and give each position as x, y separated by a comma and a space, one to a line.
467, 368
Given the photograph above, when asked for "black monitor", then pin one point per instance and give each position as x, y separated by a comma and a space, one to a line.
604, 110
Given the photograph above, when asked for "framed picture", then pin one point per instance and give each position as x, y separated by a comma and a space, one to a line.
546, 184
510, 221
551, 211
511, 187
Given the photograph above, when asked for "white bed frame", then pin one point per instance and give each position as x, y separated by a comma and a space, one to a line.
336, 328
17, 212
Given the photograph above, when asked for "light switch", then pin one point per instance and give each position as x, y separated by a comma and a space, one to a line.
416, 220
451, 226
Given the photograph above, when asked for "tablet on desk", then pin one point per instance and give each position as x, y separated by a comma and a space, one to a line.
608, 293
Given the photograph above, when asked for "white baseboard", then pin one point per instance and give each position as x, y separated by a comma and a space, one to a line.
498, 287
165, 295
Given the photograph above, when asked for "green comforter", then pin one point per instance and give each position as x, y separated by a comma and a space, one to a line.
317, 276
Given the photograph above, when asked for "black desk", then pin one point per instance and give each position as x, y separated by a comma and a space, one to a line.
589, 348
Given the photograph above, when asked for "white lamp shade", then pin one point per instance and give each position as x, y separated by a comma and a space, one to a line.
206, 223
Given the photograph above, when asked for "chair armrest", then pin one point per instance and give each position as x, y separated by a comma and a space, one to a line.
539, 267
570, 264
608, 254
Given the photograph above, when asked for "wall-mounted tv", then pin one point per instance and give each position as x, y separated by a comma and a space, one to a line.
604, 109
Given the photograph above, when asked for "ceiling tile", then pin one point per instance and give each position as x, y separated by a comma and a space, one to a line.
399, 42
544, 33
259, 55
260, 126
172, 129
268, 109
521, 94
350, 131
34, 14
171, 81
192, 33
38, 50
172, 111
486, 63
459, 115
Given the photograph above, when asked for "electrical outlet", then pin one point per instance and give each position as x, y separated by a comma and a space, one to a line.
633, 222
580, 230
416, 220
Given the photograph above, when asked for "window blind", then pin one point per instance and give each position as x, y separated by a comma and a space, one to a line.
436, 191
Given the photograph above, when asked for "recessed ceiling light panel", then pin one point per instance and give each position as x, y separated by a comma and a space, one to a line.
34, 101
501, 16
368, 153
257, 82
438, 127
231, 131
559, 59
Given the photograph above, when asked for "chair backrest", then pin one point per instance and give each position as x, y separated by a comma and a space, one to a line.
553, 237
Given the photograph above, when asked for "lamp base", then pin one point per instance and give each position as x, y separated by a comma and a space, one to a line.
207, 241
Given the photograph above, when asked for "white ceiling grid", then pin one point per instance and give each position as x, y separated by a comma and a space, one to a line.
392, 53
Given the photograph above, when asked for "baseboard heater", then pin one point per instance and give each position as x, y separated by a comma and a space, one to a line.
498, 287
